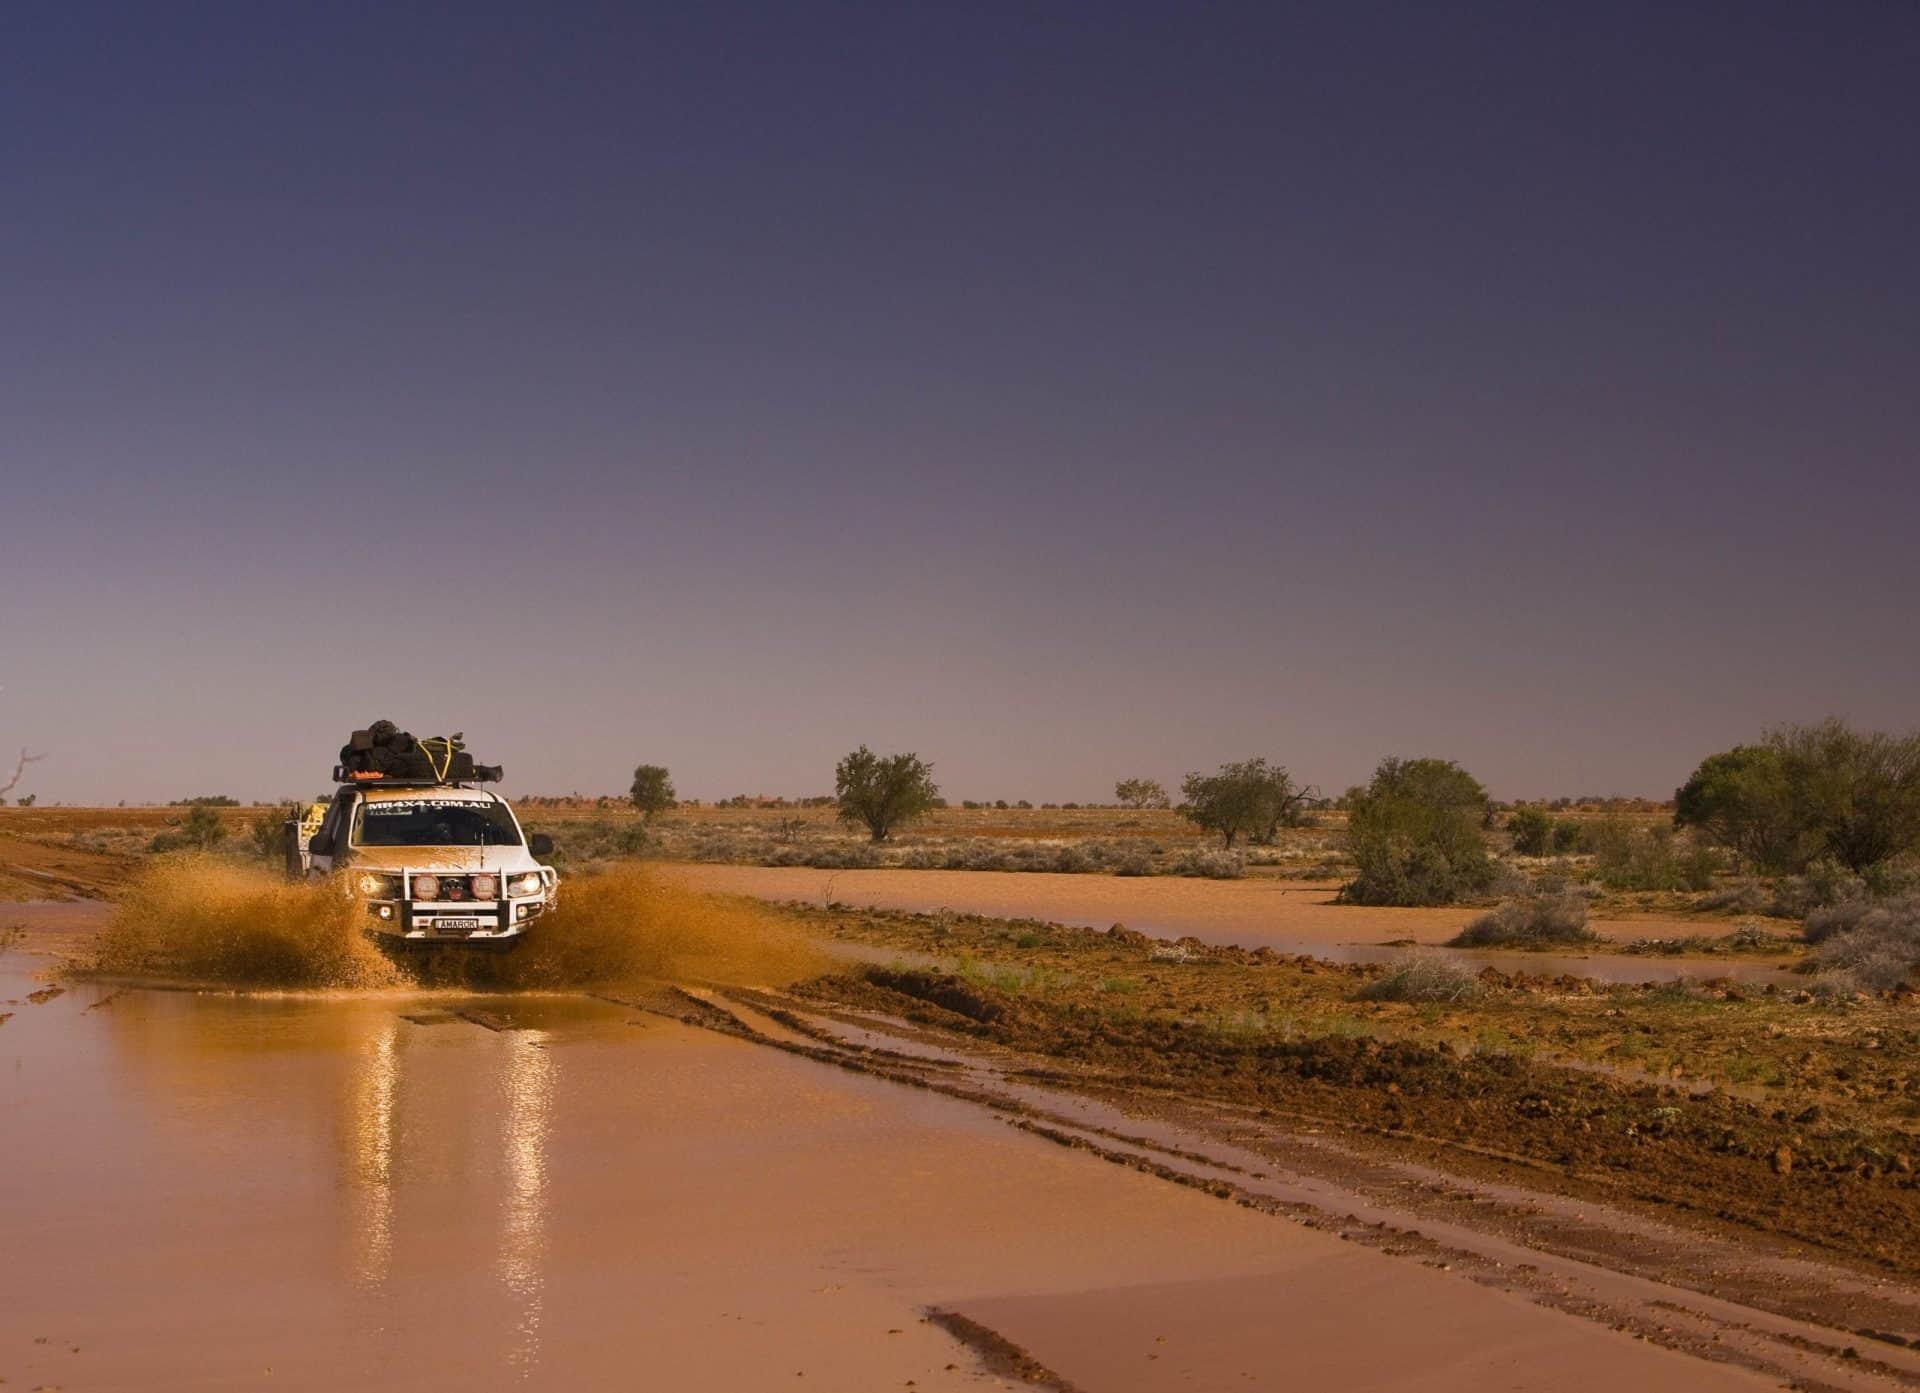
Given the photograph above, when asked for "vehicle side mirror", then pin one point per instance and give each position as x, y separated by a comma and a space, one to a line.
320, 844
540, 844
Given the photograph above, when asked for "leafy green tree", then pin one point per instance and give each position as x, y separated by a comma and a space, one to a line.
652, 790
1415, 834
1532, 830
1808, 793
27, 800
1858, 792
1741, 799
1140, 793
883, 791
1252, 798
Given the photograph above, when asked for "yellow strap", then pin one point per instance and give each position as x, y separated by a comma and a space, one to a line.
447, 743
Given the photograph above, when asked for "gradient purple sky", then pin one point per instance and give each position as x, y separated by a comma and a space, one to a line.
1062, 392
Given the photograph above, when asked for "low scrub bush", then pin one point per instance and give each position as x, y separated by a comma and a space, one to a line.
1745, 896
1209, 865
1868, 945
202, 831
1850, 916
1535, 922
1423, 977
590, 841
1824, 885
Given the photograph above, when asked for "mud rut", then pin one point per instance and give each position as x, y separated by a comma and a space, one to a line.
1775, 1306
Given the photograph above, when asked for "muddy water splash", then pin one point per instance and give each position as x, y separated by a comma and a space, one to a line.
201, 919
627, 924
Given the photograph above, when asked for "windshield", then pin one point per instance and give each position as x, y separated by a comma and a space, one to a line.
433, 822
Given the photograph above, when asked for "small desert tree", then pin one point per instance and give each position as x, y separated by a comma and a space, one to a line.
1140, 793
1414, 832
652, 791
883, 791
1858, 791
1253, 799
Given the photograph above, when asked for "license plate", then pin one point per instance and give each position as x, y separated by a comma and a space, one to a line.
445, 925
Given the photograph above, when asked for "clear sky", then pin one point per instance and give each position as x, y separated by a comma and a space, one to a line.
1060, 391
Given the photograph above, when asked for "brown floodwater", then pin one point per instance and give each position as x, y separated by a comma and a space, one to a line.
1286, 916
374, 1190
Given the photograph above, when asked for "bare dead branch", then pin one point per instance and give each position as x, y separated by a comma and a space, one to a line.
19, 769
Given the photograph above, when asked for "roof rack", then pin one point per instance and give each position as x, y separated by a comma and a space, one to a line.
367, 778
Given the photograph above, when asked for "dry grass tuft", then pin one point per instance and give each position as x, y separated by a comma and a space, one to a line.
1423, 977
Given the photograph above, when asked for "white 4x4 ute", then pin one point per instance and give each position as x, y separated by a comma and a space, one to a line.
433, 862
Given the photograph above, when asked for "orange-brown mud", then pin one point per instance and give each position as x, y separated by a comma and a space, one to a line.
45, 868
1024, 1155
209, 1191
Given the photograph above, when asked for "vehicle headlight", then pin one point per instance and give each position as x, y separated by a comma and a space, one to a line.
527, 884
374, 886
485, 887
426, 887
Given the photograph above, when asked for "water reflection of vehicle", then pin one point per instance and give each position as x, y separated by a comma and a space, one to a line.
412, 1145
432, 862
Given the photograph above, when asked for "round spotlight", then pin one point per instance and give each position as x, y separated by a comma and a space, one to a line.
485, 887
426, 887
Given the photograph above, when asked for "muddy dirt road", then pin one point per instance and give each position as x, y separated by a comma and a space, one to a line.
207, 1191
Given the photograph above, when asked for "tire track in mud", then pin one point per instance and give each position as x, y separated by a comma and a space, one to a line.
1765, 1311
997, 1354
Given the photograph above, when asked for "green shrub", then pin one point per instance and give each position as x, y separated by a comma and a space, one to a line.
1570, 837
1414, 834
202, 831
1532, 830
269, 832
1648, 858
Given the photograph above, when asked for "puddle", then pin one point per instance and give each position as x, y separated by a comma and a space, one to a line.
323, 1190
